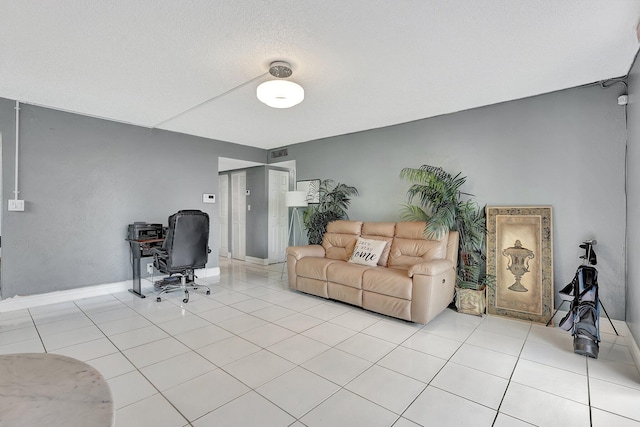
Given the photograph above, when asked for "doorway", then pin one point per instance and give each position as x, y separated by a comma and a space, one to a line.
1, 210
223, 184
278, 215
238, 215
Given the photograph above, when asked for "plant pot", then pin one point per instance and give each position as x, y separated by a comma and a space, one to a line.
471, 301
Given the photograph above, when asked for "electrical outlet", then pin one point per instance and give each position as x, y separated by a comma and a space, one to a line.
16, 205
150, 268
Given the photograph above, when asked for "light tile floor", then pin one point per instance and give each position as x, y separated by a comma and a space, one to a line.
254, 353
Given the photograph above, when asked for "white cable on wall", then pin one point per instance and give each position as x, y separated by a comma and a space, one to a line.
15, 191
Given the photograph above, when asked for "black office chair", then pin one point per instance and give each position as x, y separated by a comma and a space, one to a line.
184, 249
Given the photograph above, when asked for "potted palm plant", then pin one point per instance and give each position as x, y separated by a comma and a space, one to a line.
333, 205
435, 197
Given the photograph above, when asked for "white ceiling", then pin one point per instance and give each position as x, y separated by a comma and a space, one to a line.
363, 63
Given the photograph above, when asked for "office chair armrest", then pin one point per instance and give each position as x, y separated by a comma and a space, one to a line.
159, 253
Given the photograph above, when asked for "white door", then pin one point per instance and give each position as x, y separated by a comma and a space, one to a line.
238, 215
277, 236
223, 203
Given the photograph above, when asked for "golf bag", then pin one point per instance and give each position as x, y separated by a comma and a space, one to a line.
583, 319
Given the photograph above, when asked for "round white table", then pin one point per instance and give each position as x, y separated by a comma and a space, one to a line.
42, 389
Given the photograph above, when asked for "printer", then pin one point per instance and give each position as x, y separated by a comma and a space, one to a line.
145, 231
141, 231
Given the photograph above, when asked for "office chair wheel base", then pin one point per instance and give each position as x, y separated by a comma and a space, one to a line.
186, 300
158, 299
208, 292
186, 297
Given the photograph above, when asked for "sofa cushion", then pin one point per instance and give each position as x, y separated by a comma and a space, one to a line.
340, 239
347, 274
388, 281
409, 246
339, 246
343, 226
380, 231
410, 229
383, 229
367, 251
313, 268
407, 252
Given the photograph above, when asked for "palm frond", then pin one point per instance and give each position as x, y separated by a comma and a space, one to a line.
414, 213
333, 205
434, 196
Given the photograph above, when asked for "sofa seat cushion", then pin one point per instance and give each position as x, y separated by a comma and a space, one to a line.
388, 281
313, 268
346, 273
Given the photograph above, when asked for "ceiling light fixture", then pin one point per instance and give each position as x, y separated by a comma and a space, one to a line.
280, 93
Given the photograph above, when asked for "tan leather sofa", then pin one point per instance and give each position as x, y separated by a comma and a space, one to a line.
414, 279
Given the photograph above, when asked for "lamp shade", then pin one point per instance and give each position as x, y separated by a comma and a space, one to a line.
280, 93
295, 199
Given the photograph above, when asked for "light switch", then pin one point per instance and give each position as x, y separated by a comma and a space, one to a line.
248, 207
208, 198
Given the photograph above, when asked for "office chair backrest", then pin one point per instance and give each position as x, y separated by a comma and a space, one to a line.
187, 240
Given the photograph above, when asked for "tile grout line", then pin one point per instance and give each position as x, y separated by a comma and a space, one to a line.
136, 369
440, 370
229, 287
37, 331
589, 392
510, 378
228, 373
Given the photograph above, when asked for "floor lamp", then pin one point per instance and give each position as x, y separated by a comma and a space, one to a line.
295, 200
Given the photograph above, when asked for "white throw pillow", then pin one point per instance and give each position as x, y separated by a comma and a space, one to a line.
367, 252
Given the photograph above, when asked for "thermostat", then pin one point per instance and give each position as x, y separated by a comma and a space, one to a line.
208, 198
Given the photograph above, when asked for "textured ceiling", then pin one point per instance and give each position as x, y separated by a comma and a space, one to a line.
193, 66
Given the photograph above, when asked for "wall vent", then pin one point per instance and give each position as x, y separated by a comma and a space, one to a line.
279, 153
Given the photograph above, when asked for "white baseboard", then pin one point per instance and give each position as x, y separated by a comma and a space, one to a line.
29, 301
207, 272
253, 260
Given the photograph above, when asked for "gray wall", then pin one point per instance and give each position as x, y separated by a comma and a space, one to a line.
633, 203
565, 149
85, 179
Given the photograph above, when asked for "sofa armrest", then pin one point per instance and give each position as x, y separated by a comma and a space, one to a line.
431, 268
306, 251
